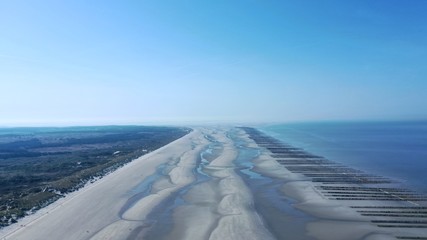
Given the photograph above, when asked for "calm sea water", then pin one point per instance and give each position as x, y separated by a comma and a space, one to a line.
397, 150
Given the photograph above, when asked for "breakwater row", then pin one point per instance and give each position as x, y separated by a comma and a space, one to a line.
378, 200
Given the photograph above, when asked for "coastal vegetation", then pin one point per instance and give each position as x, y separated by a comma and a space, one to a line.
40, 165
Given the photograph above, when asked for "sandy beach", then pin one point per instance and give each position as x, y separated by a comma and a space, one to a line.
214, 183
119, 205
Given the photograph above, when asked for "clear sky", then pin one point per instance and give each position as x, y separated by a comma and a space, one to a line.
111, 62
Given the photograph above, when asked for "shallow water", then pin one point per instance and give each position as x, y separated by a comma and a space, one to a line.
162, 213
397, 150
280, 217
143, 189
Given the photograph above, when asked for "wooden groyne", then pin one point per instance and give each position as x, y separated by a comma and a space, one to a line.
379, 199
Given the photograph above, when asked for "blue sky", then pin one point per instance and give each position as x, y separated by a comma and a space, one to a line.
118, 62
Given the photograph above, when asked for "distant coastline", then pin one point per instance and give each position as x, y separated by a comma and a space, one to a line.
232, 183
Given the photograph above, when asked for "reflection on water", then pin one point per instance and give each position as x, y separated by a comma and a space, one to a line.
162, 213
397, 150
276, 210
282, 219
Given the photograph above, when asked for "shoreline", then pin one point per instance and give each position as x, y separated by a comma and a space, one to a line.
28, 220
225, 183
41, 165
380, 148
341, 208
129, 203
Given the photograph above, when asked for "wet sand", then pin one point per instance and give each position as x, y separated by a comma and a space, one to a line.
343, 203
94, 211
214, 183
142, 199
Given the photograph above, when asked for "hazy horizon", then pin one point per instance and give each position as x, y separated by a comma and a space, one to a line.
192, 62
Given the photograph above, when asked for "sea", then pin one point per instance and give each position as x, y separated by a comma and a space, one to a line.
397, 150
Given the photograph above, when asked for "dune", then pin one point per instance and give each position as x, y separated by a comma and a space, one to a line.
119, 205
215, 183
94, 211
